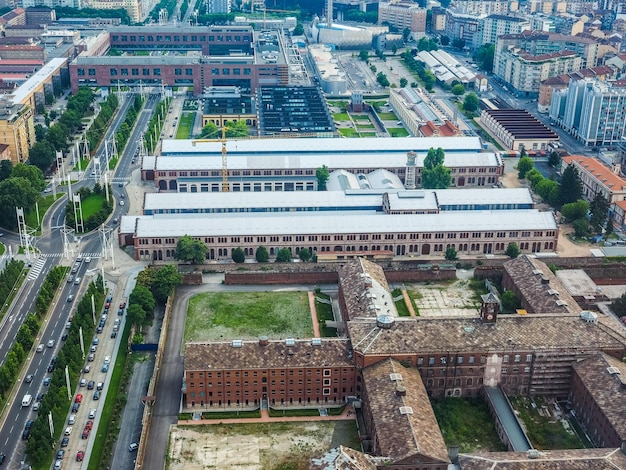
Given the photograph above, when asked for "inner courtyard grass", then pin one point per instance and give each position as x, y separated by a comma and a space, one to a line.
248, 315
185, 125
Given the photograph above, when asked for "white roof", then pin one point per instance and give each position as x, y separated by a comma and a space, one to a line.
484, 196
19, 95
366, 159
304, 223
259, 200
320, 145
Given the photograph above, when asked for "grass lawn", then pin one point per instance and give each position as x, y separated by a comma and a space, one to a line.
44, 204
388, 116
92, 204
338, 104
83, 164
377, 104
229, 414
466, 422
185, 125
398, 132
361, 117
113, 162
2, 248
247, 315
348, 132
365, 126
341, 117
325, 312
545, 431
367, 134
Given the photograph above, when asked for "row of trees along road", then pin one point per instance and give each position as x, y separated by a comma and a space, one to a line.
20, 186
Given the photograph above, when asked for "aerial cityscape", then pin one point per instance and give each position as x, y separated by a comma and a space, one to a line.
325, 235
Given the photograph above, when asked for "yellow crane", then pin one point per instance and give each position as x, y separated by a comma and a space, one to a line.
225, 187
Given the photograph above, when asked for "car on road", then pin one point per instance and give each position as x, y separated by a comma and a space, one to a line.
100, 386
51, 343
120, 184
2, 458
58, 464
88, 259
68, 431
65, 442
75, 407
28, 379
70, 297
79, 398
92, 413
82, 383
80, 455
115, 221
87, 369
122, 195
105, 368
114, 334
93, 349
121, 203
85, 434
39, 397
96, 341
91, 357
60, 454
36, 406
40, 348
89, 425
90, 385
99, 329
122, 304
96, 395
50, 367
63, 336
70, 279
79, 259
47, 381
107, 359
133, 447
71, 419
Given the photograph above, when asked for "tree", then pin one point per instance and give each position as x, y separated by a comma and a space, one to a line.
190, 250
40, 132
571, 189
238, 255
322, 174
261, 255
364, 55
394, 49
298, 30
403, 82
142, 296
524, 165
484, 57
510, 302
31, 173
6, 168
434, 157
470, 103
581, 228
547, 189
445, 40
451, 253
382, 80
406, 33
575, 210
458, 43
305, 254
283, 255
437, 178
512, 250
458, 89
42, 154
554, 160
599, 209
15, 192
619, 306
210, 130
165, 281
136, 315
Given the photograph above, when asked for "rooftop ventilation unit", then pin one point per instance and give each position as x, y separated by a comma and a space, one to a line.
553, 292
406, 410
290, 342
395, 376
613, 370
561, 303
237, 343
537, 271
316, 342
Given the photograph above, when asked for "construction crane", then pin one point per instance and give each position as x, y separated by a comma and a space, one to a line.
225, 187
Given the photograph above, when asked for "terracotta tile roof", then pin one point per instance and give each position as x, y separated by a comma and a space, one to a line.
542, 291
596, 169
621, 204
519, 332
577, 459
405, 426
276, 354
607, 388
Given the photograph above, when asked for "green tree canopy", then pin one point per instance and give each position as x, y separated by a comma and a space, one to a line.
31, 173
575, 210
136, 315
143, 297
510, 302
439, 177
571, 189
484, 57
548, 190
445, 40
524, 165
512, 250
554, 160
238, 255
283, 255
261, 254
364, 55
298, 30
458, 43
190, 250
434, 157
165, 281
458, 89
470, 103
451, 253
6, 168
305, 254
322, 174
582, 229
15, 192
403, 82
619, 306
599, 209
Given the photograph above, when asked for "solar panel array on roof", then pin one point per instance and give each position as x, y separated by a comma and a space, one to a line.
521, 124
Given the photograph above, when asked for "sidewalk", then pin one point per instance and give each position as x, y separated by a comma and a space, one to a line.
348, 414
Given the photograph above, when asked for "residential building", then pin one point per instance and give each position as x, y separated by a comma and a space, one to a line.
17, 130
465, 26
485, 7
593, 111
598, 179
517, 129
536, 286
219, 6
403, 14
498, 25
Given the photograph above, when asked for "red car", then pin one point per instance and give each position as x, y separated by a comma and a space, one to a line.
78, 399
123, 305
80, 455
85, 434
89, 425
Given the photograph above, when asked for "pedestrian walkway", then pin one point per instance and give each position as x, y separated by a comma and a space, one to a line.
407, 301
348, 414
95, 254
314, 319
35, 271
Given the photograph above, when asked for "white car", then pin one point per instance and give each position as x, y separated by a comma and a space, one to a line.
51, 343
68, 431
40, 348
71, 419
121, 203
92, 413
107, 359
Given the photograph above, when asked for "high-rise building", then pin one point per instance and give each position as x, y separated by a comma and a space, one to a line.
498, 25
592, 111
219, 6
403, 14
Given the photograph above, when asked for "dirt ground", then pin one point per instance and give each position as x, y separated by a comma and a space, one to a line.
262, 446
445, 301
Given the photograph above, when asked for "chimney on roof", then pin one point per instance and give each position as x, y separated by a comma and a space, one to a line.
263, 341
400, 390
545, 280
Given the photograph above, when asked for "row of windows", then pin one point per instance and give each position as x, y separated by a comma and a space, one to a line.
227, 374
157, 72
309, 391
176, 38
246, 384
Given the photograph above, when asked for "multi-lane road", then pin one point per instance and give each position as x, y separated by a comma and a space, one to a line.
50, 247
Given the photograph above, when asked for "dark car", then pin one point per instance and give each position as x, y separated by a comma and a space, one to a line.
63, 336
53, 361
29, 424
75, 407
29, 378
39, 396
2, 458
120, 312
47, 381
60, 454
51, 368
90, 385
26, 434
65, 442
114, 334
96, 395
85, 434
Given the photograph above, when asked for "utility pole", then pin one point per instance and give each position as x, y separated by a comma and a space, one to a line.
67, 246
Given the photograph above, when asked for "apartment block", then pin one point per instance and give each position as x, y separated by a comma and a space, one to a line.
403, 14
499, 25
